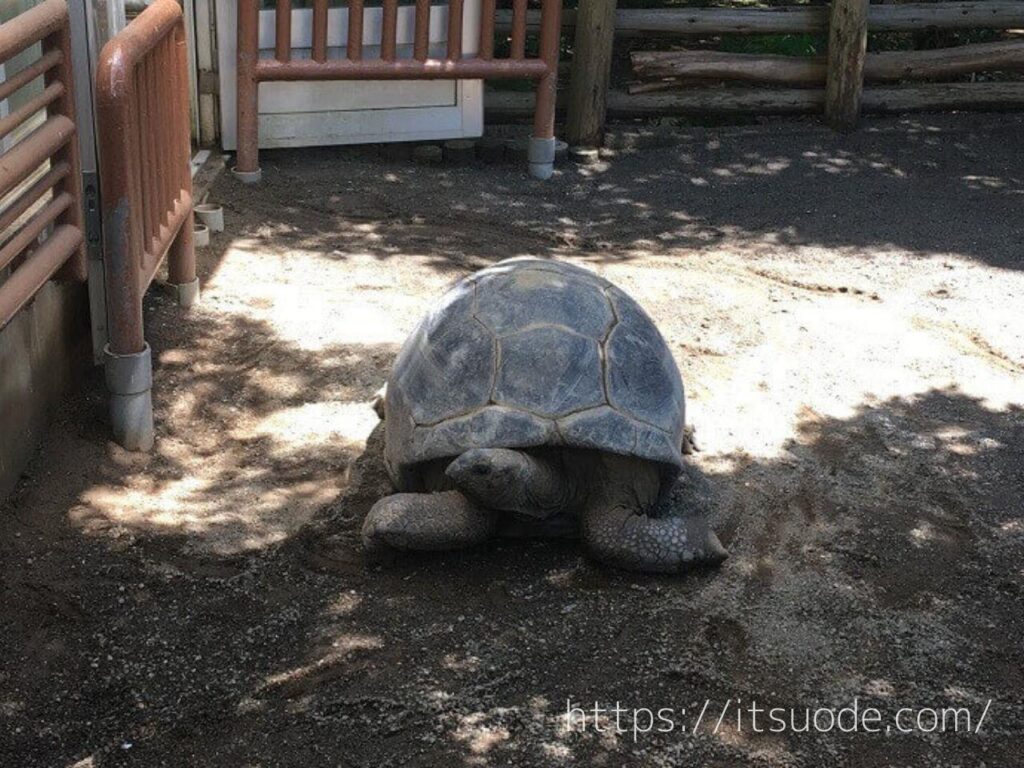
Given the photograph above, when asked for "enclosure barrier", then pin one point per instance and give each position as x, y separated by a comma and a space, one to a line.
283, 66
40, 180
845, 21
142, 106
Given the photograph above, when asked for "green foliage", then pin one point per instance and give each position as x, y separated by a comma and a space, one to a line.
786, 45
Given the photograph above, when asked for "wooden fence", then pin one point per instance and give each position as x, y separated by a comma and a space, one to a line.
671, 81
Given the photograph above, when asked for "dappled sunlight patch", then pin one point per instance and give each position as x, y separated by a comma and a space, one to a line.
879, 687
987, 182
457, 663
311, 426
479, 735
299, 681
223, 500
344, 604
297, 301
923, 533
769, 747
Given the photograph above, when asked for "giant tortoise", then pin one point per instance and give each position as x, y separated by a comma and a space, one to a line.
537, 398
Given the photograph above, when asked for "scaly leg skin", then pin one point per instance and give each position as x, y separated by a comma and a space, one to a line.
618, 535
427, 521
513, 481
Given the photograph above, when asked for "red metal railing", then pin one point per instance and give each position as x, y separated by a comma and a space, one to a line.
142, 108
39, 175
253, 70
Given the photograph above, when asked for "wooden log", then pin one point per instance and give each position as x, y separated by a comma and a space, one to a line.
998, 96
718, 65
847, 49
914, 17
706, 101
796, 70
945, 62
592, 66
906, 17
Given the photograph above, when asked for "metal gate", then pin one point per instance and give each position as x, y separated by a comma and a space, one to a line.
453, 64
144, 130
40, 178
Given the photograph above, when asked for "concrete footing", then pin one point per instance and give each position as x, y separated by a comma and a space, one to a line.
130, 383
247, 177
541, 157
187, 294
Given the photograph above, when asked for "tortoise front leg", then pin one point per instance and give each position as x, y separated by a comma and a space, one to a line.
427, 521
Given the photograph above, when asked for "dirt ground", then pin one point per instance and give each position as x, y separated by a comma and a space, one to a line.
847, 316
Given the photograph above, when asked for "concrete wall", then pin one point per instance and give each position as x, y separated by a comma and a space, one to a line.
41, 351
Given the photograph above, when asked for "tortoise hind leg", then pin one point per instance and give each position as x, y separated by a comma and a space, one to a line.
427, 521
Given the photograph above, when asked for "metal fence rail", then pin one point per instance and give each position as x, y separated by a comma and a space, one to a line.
283, 66
142, 106
40, 180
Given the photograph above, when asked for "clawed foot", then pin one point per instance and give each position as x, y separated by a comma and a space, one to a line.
426, 521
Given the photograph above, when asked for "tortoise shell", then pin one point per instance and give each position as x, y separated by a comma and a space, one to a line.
531, 353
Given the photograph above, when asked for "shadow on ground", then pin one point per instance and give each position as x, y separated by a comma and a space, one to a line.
876, 190
853, 574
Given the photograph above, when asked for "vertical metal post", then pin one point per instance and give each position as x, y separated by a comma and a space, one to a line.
541, 151
247, 167
283, 30
421, 30
389, 29
485, 48
355, 30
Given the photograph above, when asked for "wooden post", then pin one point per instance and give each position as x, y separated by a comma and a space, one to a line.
847, 47
591, 70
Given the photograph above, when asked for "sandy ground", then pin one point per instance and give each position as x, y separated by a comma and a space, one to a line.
846, 313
